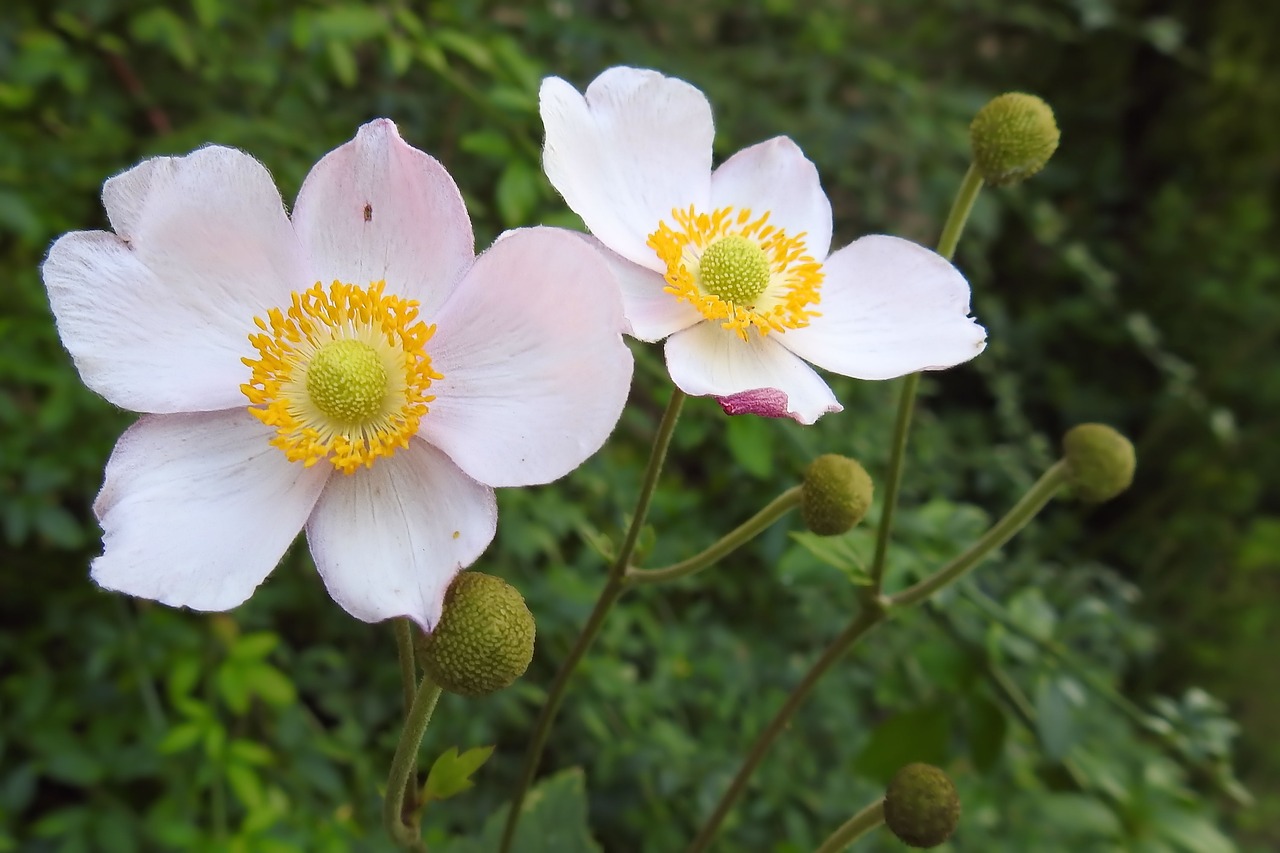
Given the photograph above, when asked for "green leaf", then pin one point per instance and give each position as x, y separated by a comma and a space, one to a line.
270, 685
553, 819
987, 728
921, 734
845, 552
517, 193
1057, 700
254, 646
751, 443
1079, 815
180, 738
451, 773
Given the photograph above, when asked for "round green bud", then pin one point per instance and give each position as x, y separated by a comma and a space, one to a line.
1100, 462
835, 496
484, 640
921, 806
1012, 138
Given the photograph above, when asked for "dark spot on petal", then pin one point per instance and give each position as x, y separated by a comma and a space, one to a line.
368, 212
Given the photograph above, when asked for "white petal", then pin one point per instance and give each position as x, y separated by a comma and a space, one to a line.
143, 345
635, 148
210, 223
388, 539
889, 308
756, 376
775, 176
651, 313
378, 209
158, 318
535, 369
197, 509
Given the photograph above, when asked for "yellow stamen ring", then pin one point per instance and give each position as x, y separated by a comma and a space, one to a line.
739, 270
342, 374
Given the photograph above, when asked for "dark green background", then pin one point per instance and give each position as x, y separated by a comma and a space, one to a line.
1134, 282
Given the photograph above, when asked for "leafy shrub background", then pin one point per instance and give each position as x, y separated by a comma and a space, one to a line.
1133, 282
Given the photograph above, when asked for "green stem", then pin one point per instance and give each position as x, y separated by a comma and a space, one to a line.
867, 618
612, 590
1001, 532
970, 186
893, 480
398, 814
959, 215
408, 672
730, 542
854, 828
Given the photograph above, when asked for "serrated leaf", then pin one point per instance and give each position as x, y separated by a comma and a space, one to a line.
838, 551
1056, 723
921, 734
451, 773
553, 819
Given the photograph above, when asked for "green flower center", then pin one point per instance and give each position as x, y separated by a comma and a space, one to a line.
734, 269
347, 381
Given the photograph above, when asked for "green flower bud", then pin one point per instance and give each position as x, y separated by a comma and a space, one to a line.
484, 640
1100, 462
921, 806
1012, 138
835, 496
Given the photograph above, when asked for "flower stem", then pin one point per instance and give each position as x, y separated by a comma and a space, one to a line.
893, 480
398, 813
970, 186
613, 588
730, 542
1001, 532
867, 618
408, 672
854, 828
875, 610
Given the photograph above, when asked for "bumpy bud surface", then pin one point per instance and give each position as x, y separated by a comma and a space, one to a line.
1100, 462
921, 806
1012, 137
484, 640
835, 496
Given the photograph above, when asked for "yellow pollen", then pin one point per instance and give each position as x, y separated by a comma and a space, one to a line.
346, 381
342, 374
739, 270
735, 269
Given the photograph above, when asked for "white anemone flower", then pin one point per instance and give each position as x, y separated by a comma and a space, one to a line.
355, 370
733, 266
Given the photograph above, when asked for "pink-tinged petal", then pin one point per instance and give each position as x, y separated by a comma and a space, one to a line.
210, 223
157, 317
889, 308
388, 539
535, 368
197, 509
378, 209
777, 178
757, 375
651, 313
637, 146
765, 402
140, 343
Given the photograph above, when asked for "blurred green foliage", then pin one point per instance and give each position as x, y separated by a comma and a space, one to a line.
1133, 282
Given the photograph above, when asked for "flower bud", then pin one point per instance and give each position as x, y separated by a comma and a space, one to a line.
1012, 138
835, 496
1100, 462
484, 640
921, 806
